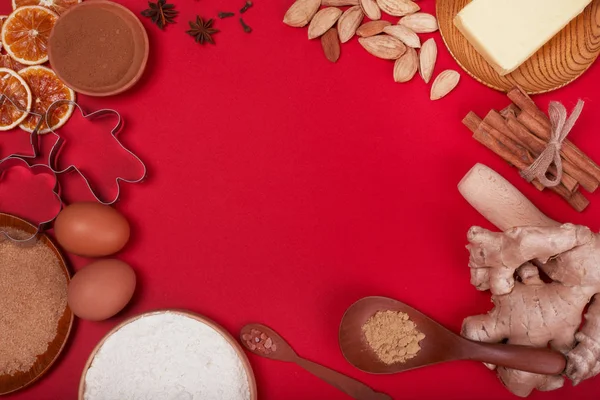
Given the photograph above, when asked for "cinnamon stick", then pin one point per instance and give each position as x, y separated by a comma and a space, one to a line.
578, 201
500, 145
537, 145
524, 102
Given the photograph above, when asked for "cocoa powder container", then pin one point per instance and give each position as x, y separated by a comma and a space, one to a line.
98, 48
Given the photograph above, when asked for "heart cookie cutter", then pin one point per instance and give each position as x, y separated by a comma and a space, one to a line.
55, 151
33, 135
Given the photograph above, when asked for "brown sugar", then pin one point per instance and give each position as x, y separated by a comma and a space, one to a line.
33, 297
93, 49
393, 336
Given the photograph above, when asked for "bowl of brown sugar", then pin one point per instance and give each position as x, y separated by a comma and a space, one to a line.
35, 321
98, 48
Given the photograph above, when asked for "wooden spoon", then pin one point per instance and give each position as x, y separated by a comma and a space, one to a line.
284, 352
440, 344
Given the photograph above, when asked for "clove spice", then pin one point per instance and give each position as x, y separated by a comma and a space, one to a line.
222, 15
246, 7
247, 29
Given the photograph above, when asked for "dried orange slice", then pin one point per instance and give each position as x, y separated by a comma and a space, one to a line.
7, 61
25, 34
2, 19
15, 88
46, 88
58, 6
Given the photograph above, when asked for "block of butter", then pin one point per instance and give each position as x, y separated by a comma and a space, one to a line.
508, 32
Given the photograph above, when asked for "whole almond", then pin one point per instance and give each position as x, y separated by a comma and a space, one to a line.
404, 34
322, 21
398, 8
406, 66
383, 46
420, 23
331, 45
339, 3
444, 84
372, 28
370, 9
349, 22
427, 59
301, 12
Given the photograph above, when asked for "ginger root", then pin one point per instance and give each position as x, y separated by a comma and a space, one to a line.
529, 311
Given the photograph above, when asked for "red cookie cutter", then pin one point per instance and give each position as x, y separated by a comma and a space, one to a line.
37, 169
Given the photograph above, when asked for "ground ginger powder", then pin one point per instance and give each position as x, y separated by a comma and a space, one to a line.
393, 336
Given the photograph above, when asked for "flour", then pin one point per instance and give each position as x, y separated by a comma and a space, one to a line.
166, 356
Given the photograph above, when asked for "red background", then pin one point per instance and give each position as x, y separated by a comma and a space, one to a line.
282, 188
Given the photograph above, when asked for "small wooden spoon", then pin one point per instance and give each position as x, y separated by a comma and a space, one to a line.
284, 352
440, 344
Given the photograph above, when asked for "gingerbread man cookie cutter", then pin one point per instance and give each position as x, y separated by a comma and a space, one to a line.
55, 151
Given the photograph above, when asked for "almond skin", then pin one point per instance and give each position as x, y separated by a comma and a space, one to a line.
331, 45
349, 23
420, 23
383, 46
427, 59
398, 8
407, 36
372, 28
322, 21
301, 12
370, 9
444, 84
406, 66
339, 3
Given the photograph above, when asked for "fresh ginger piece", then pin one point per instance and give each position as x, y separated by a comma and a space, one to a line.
528, 311
584, 360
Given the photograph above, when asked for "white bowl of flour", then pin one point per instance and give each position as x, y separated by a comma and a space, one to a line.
168, 355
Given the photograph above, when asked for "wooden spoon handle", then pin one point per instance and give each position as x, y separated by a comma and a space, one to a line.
350, 386
498, 201
530, 359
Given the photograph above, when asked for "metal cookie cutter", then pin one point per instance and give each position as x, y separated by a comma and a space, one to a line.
55, 151
19, 160
33, 136
37, 169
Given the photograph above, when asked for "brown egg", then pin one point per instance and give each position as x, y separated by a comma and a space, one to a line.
91, 229
101, 290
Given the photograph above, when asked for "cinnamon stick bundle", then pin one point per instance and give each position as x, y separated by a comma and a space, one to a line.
511, 152
538, 123
519, 134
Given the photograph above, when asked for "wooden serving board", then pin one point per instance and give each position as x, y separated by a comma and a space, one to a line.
20, 380
562, 60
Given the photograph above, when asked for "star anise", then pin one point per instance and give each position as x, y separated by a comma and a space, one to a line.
202, 31
161, 13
